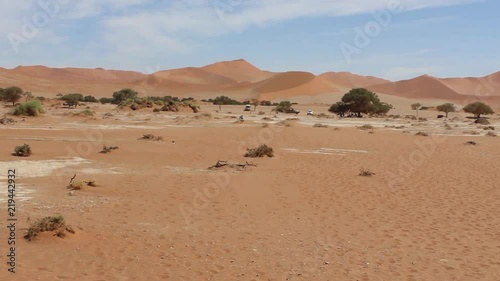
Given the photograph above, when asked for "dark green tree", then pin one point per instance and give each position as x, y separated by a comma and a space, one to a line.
361, 101
12, 94
446, 108
339, 108
478, 109
123, 95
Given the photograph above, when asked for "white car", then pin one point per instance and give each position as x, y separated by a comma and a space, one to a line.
310, 112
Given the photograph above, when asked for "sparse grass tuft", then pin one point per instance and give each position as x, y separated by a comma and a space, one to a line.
50, 223
491, 134
29, 108
87, 112
366, 127
261, 151
474, 133
319, 125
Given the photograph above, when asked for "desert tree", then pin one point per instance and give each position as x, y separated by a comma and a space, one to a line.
12, 94
27, 96
478, 109
446, 108
360, 101
123, 95
283, 106
339, 108
41, 99
416, 106
255, 102
72, 99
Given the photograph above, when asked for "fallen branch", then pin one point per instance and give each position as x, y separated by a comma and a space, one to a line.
222, 163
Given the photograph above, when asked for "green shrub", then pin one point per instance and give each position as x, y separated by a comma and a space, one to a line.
87, 112
261, 151
29, 108
22, 150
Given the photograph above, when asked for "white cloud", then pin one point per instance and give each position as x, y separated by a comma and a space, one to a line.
152, 29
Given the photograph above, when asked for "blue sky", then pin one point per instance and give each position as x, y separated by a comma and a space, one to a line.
444, 38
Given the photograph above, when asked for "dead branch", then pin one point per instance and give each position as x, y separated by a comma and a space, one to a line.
71, 180
223, 163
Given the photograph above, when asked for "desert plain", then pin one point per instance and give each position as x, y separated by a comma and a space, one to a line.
429, 211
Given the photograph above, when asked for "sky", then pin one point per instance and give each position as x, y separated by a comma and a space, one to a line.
392, 39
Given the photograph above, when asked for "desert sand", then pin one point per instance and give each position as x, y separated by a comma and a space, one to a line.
158, 212
430, 212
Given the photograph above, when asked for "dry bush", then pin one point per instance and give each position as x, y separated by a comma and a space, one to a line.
7, 121
366, 173
471, 143
491, 134
151, 137
205, 115
474, 133
261, 151
319, 125
489, 128
50, 223
482, 121
286, 123
265, 125
261, 113
267, 119
22, 150
323, 116
366, 127
423, 134
108, 149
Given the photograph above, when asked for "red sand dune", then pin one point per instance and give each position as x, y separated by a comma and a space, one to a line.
484, 86
350, 80
241, 80
293, 84
238, 70
422, 87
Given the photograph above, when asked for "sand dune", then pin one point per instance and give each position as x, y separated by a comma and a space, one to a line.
242, 80
294, 84
350, 80
238, 70
484, 86
422, 87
